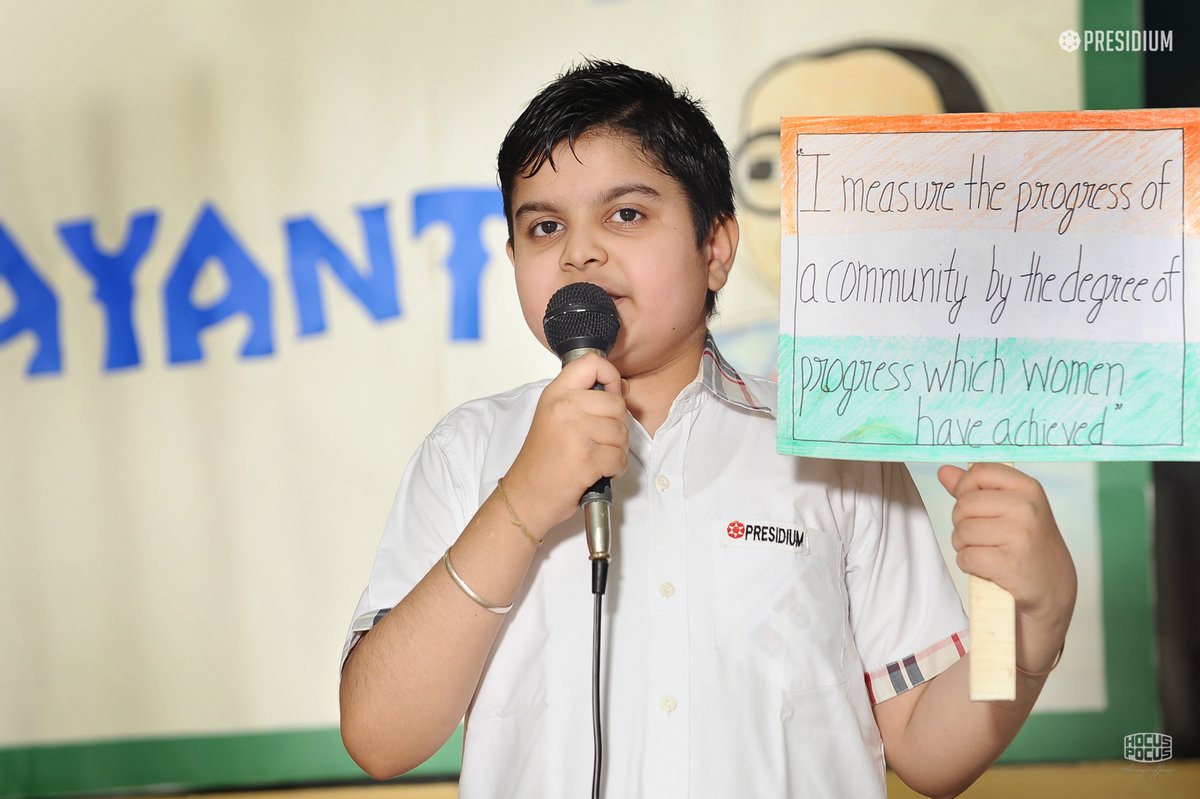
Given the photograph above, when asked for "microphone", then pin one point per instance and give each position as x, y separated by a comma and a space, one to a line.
582, 318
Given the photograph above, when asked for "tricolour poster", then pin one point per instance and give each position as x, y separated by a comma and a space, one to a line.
1004, 287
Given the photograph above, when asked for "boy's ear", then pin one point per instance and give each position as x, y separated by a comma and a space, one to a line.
508, 248
720, 248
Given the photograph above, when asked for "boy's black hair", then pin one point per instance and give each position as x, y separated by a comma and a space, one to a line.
674, 133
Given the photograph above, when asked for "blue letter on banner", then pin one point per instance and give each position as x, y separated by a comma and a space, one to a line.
36, 308
249, 292
308, 246
113, 274
464, 210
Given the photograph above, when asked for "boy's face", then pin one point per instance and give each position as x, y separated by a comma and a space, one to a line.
605, 215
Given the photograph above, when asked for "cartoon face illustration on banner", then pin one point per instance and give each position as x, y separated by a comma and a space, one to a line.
859, 79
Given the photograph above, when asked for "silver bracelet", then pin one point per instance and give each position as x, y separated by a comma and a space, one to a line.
499, 610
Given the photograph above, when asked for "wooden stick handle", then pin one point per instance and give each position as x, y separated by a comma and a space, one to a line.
993, 641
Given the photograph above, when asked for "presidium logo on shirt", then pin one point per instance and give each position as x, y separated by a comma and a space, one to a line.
755, 534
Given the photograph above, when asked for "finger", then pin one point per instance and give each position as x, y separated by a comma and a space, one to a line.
996, 476
565, 399
593, 451
589, 370
607, 432
1021, 508
611, 461
949, 476
990, 504
981, 532
990, 563
601, 404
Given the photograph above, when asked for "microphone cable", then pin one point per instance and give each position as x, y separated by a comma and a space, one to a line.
597, 732
599, 582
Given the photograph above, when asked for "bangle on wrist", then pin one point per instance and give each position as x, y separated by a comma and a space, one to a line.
514, 518
499, 610
1053, 665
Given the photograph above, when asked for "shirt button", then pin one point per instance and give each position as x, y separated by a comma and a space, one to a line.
662, 483
667, 590
668, 705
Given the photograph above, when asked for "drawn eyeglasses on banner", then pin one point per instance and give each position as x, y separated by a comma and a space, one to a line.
756, 173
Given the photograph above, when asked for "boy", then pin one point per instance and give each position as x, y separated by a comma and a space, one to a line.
735, 658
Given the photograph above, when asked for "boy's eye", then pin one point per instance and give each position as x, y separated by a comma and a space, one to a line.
627, 215
546, 227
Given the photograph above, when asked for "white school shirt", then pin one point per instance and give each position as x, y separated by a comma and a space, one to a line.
757, 606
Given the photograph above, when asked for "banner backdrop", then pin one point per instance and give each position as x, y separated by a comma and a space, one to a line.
251, 251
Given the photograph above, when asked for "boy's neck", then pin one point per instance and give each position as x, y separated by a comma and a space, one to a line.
651, 394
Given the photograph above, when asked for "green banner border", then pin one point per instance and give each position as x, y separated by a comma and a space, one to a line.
1127, 605
199, 763
1112, 80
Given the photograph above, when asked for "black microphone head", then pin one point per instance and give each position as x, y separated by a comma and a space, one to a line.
579, 316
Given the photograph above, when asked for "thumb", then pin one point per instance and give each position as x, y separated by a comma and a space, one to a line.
949, 476
589, 371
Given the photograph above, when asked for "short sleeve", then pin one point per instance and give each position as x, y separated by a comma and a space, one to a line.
907, 617
428, 513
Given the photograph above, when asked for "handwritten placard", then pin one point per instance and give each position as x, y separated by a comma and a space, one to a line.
1004, 287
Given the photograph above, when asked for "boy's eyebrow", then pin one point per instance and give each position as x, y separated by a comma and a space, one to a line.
615, 193
535, 207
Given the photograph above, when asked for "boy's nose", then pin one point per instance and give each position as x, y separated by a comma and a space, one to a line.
582, 250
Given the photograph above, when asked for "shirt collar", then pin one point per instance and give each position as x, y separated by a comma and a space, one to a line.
719, 377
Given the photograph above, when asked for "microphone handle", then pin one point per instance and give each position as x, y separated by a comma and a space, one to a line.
597, 500
597, 503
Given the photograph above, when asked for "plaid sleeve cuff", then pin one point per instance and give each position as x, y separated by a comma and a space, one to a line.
897, 677
360, 627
